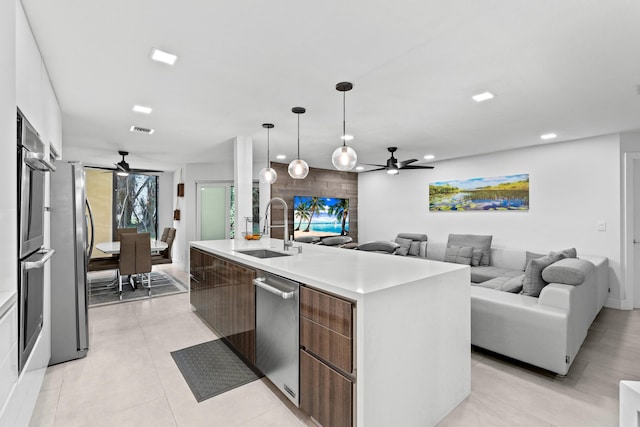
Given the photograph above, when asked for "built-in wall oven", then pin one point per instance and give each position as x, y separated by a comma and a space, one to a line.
32, 166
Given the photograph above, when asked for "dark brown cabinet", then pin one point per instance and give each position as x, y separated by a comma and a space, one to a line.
225, 297
327, 377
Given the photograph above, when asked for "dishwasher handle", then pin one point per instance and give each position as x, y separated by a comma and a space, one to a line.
267, 287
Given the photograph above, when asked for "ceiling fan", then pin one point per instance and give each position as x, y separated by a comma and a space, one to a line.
393, 166
123, 168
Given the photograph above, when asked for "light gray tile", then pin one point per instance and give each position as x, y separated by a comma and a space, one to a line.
45, 410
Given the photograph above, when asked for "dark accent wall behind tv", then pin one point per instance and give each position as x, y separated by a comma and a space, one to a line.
319, 182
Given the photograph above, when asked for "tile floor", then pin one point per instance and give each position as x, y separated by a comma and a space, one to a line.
129, 378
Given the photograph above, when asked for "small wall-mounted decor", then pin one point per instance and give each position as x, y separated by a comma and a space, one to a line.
181, 190
176, 215
499, 193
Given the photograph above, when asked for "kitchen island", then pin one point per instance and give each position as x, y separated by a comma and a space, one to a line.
411, 317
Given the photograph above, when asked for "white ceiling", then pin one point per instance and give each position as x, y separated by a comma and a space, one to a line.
571, 67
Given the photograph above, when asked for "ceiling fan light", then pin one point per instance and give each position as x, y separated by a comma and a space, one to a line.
393, 171
298, 169
122, 173
344, 158
268, 176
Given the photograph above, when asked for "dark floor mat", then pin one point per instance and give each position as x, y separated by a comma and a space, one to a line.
211, 368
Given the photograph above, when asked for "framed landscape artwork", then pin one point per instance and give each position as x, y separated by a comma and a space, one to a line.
498, 193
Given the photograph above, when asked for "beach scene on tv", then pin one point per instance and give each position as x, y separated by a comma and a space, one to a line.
320, 216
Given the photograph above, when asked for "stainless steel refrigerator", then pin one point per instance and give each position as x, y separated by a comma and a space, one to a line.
71, 231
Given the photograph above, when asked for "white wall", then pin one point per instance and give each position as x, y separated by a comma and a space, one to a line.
573, 185
166, 194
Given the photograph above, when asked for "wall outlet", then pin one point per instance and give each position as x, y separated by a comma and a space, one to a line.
602, 226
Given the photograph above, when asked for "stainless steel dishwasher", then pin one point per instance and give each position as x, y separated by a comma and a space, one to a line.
277, 337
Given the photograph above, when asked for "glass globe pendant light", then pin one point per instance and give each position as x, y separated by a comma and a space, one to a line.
298, 168
344, 158
268, 175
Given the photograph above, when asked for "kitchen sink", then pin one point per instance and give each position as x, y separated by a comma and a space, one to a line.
263, 253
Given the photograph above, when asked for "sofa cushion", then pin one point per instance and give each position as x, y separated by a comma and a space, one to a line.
482, 274
528, 256
379, 246
405, 243
474, 240
459, 254
504, 284
568, 253
570, 271
413, 236
533, 281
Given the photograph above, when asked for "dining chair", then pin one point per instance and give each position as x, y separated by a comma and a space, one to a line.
165, 234
127, 260
143, 259
168, 236
121, 231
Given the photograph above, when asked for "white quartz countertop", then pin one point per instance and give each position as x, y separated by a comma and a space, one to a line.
343, 271
6, 301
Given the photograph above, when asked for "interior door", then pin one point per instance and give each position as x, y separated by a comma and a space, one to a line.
213, 210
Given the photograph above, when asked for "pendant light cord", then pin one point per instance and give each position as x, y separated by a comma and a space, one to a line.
268, 149
298, 136
344, 120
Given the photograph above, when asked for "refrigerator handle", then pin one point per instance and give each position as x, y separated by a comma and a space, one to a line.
90, 248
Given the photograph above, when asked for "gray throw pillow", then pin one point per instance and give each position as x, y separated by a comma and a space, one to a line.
528, 256
476, 257
568, 253
379, 246
533, 281
414, 249
474, 240
570, 271
405, 243
402, 251
459, 254
513, 285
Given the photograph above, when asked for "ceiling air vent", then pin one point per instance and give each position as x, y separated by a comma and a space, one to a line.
142, 130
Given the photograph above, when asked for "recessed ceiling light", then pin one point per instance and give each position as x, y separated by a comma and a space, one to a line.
359, 168
347, 137
142, 109
483, 96
166, 57
281, 157
547, 136
139, 129
429, 157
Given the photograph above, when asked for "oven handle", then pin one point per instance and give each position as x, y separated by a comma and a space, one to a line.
39, 162
31, 265
262, 284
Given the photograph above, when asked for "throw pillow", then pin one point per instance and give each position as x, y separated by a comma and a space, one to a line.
459, 254
529, 256
379, 246
405, 243
402, 251
477, 241
414, 249
476, 257
513, 285
570, 271
568, 253
533, 282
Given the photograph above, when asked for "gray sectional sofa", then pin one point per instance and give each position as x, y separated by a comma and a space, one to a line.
539, 315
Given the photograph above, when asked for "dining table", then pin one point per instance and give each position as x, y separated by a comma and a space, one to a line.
113, 248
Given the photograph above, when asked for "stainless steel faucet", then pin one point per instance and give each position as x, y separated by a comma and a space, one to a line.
287, 243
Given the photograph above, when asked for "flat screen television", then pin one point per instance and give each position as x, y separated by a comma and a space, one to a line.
320, 216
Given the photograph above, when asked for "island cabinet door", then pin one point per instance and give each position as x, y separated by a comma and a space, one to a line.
232, 304
325, 394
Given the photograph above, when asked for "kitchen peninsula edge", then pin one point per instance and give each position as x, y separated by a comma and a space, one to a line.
412, 337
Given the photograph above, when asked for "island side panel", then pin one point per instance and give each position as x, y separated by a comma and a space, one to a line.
414, 351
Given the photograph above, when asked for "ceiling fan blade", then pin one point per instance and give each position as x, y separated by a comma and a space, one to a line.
418, 167
373, 170
143, 171
373, 164
404, 163
105, 168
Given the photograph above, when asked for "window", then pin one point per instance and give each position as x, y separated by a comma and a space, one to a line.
135, 203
